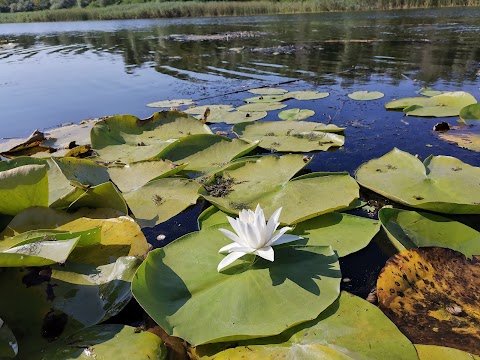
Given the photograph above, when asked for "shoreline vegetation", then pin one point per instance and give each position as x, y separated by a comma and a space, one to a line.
80, 10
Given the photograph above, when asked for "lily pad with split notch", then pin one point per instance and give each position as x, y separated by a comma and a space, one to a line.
441, 183
410, 229
132, 176
268, 91
345, 233
261, 107
241, 302
171, 103
433, 295
268, 98
296, 114
235, 117
268, 181
366, 95
128, 139
161, 199
291, 136
350, 328
308, 95
205, 152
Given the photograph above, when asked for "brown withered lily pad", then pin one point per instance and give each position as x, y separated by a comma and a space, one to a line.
433, 296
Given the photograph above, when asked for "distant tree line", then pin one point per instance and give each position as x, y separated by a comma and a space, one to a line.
32, 5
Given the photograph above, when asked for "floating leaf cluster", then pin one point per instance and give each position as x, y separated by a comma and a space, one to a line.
72, 253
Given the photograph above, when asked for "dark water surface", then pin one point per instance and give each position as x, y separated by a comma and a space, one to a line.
54, 73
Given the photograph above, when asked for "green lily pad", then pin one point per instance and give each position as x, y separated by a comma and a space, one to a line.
161, 199
128, 139
205, 152
44, 304
345, 233
82, 172
240, 303
351, 328
171, 103
298, 136
267, 181
295, 114
268, 91
366, 95
117, 230
22, 187
108, 341
104, 195
308, 95
429, 92
433, 352
200, 110
132, 176
441, 183
443, 105
8, 343
268, 98
235, 117
470, 112
410, 229
261, 107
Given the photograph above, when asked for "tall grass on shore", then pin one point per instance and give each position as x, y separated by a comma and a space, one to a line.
152, 10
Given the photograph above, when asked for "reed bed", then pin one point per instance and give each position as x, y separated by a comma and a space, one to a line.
153, 10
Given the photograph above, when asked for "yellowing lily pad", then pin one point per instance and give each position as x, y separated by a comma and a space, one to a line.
443, 105
366, 95
296, 114
267, 181
128, 139
161, 199
241, 302
441, 183
351, 328
171, 103
298, 136
432, 352
268, 91
261, 107
433, 296
470, 112
116, 229
206, 152
308, 95
107, 341
410, 229
82, 172
468, 138
235, 117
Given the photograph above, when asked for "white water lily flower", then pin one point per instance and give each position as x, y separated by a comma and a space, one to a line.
254, 236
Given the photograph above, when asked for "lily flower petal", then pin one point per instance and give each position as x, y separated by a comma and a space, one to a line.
266, 253
286, 239
253, 235
230, 258
278, 234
